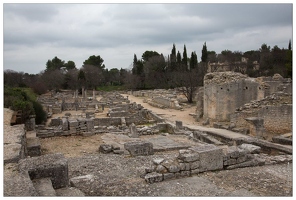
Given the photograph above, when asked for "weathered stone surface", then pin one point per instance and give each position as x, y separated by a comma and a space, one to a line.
54, 166
160, 169
168, 176
188, 156
230, 161
171, 165
81, 180
133, 131
105, 148
139, 148
210, 156
194, 165
33, 147
184, 166
250, 148
158, 161
153, 177
185, 173
17, 184
194, 171
69, 192
118, 151
44, 187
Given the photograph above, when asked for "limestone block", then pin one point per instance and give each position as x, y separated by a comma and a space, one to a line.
194, 171
184, 166
54, 166
139, 148
230, 161
160, 169
33, 147
65, 124
105, 148
168, 176
210, 156
185, 173
133, 131
188, 155
250, 148
194, 165
44, 187
55, 122
45, 133
81, 180
153, 177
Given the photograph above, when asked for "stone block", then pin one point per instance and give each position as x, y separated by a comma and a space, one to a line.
133, 131
185, 173
160, 169
168, 176
194, 171
250, 148
188, 155
105, 148
45, 133
33, 147
54, 166
153, 177
44, 187
194, 165
241, 159
55, 122
118, 151
139, 148
158, 161
184, 166
230, 161
210, 156
81, 180
65, 124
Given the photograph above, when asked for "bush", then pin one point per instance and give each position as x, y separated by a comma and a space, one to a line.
25, 100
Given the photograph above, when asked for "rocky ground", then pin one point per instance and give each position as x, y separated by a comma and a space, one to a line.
121, 175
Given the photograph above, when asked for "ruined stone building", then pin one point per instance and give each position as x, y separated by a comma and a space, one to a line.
234, 97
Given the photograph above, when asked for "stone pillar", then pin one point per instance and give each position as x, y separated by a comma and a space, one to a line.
82, 93
76, 94
85, 95
179, 125
94, 95
256, 126
133, 131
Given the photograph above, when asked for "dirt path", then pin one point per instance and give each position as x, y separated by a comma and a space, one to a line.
171, 115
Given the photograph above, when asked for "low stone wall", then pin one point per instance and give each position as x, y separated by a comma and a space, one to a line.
204, 158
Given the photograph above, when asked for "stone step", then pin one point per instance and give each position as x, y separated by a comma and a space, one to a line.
44, 187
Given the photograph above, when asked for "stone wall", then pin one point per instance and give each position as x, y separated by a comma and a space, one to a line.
225, 92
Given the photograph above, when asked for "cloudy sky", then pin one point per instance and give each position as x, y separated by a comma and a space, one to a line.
35, 33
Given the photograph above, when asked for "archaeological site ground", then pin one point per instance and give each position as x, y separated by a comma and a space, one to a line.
234, 140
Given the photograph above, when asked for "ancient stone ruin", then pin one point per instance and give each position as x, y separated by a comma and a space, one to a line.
241, 112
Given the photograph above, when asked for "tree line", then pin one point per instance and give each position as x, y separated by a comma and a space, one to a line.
152, 71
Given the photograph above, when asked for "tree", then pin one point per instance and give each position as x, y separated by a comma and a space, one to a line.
148, 54
53, 79
70, 65
185, 59
54, 64
93, 76
179, 59
172, 59
204, 53
289, 46
71, 79
193, 61
96, 61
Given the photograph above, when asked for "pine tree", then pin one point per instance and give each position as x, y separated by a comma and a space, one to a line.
204, 53
184, 60
290, 47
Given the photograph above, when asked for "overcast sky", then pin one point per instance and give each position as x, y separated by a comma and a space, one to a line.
35, 33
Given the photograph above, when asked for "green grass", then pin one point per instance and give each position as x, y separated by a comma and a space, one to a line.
110, 88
